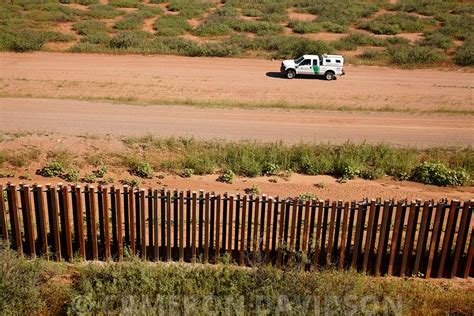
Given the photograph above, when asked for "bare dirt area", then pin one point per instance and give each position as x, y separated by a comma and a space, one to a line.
293, 126
145, 78
288, 185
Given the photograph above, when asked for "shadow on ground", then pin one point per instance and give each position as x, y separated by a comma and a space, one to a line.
274, 74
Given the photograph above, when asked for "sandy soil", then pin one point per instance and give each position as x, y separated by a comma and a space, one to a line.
170, 77
82, 117
324, 187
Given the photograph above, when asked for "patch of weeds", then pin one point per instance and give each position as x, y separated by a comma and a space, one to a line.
7, 174
270, 169
133, 182
89, 27
320, 185
171, 25
130, 22
254, 190
465, 53
129, 39
227, 176
371, 54
106, 181
409, 55
71, 175
89, 178
307, 196
142, 169
101, 171
439, 174
189, 8
371, 173
52, 169
186, 173
392, 24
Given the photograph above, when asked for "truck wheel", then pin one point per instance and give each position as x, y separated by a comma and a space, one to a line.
329, 75
290, 74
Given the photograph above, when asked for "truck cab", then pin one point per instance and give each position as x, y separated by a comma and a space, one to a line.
325, 65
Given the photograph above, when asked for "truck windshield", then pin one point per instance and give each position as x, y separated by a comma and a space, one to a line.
298, 60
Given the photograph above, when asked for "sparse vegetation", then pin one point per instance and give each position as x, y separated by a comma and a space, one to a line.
28, 26
227, 176
133, 182
132, 286
52, 169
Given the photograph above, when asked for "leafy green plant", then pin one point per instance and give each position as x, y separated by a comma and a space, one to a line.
465, 53
133, 182
227, 176
89, 178
186, 173
171, 25
270, 169
406, 55
71, 175
101, 171
142, 169
438, 174
253, 190
52, 169
307, 196
106, 181
371, 173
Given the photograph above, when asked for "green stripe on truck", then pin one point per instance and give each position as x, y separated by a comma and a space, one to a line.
316, 70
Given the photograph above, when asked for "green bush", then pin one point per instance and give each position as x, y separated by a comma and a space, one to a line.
100, 11
354, 40
303, 27
28, 40
465, 53
253, 190
257, 27
270, 169
101, 171
406, 55
439, 174
171, 25
124, 3
437, 39
227, 176
371, 173
128, 39
212, 29
371, 54
52, 169
133, 182
186, 173
71, 175
89, 27
142, 169
189, 8
89, 178
130, 22
291, 46
396, 23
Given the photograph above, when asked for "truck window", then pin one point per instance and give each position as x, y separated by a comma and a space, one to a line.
338, 61
328, 60
315, 62
306, 62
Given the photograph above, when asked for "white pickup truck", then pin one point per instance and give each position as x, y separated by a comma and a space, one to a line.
328, 66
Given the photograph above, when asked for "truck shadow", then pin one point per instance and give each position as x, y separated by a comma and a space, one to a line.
274, 74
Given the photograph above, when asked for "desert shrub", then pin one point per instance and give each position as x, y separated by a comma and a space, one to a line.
171, 25
371, 173
146, 11
227, 176
189, 8
89, 178
130, 22
307, 196
371, 54
101, 171
354, 40
431, 7
396, 40
303, 27
28, 40
89, 27
406, 55
459, 27
270, 169
396, 23
257, 27
342, 12
437, 39
71, 175
100, 11
212, 29
142, 169
124, 3
133, 182
465, 53
128, 39
186, 173
97, 38
52, 169
439, 174
290, 46
253, 190
21, 158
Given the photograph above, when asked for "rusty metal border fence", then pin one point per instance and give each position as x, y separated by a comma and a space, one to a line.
402, 238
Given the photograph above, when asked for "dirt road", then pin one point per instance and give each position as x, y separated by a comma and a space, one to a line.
161, 78
86, 117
